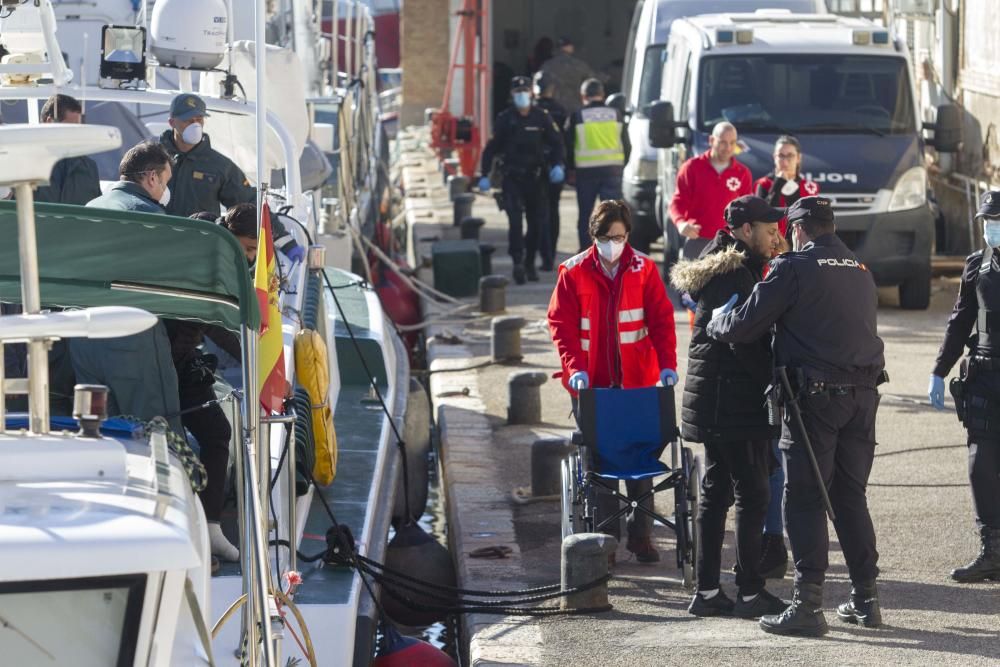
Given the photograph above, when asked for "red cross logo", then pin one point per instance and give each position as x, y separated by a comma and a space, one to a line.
810, 188
733, 183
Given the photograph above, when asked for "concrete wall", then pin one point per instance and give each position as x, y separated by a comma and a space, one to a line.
425, 53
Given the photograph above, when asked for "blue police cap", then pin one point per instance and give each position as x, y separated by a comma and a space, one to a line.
187, 106
816, 209
520, 83
989, 205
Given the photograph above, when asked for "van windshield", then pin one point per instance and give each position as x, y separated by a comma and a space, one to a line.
652, 67
806, 93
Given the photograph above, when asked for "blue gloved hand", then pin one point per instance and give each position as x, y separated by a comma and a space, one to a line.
726, 307
688, 302
296, 253
579, 380
484, 183
668, 377
935, 392
557, 174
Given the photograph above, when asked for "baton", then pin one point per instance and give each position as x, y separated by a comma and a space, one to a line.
793, 402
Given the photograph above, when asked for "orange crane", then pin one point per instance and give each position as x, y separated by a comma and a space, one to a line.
466, 134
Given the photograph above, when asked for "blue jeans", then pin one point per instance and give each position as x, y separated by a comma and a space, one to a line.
773, 524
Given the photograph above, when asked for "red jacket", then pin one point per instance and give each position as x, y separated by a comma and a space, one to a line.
702, 194
586, 304
764, 185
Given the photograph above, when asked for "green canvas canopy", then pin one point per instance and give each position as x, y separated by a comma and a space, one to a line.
173, 267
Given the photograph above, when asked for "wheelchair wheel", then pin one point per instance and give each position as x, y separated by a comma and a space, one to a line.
688, 496
571, 500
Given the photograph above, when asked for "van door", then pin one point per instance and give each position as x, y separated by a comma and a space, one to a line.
676, 90
635, 42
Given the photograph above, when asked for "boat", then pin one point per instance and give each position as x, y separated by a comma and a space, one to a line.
160, 596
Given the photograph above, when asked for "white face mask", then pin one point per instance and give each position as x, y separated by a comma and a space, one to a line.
192, 134
790, 188
165, 197
610, 250
991, 233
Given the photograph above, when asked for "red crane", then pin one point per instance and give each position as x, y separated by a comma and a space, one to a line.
466, 134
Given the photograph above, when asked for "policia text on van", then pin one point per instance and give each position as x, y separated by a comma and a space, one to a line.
842, 86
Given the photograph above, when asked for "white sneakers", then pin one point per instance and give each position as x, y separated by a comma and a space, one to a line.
221, 546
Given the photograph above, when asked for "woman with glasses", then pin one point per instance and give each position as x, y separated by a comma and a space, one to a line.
785, 185
613, 326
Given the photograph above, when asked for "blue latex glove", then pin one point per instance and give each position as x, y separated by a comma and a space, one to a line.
296, 253
557, 174
668, 377
725, 308
579, 380
688, 302
484, 183
935, 392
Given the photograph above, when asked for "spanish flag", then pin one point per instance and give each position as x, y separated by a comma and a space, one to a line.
270, 350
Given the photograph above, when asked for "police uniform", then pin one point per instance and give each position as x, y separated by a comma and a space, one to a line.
977, 392
599, 143
549, 237
822, 304
529, 144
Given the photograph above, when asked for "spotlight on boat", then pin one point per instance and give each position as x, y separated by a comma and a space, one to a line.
90, 408
189, 34
419, 555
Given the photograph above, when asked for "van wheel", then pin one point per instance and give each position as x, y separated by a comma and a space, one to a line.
915, 293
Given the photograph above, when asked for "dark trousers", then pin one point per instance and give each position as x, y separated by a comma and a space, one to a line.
549, 238
525, 200
211, 428
734, 471
639, 525
984, 446
591, 183
841, 428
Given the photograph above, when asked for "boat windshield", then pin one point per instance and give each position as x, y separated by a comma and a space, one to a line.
807, 93
81, 622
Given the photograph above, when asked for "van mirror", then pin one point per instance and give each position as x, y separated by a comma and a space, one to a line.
947, 128
616, 101
662, 128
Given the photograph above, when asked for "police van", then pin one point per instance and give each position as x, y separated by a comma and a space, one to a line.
842, 86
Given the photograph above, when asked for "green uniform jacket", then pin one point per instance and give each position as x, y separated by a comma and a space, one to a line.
127, 196
74, 180
204, 179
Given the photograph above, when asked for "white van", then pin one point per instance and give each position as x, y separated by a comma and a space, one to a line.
644, 57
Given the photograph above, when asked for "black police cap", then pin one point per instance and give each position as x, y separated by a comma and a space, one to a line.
520, 83
750, 209
989, 205
817, 209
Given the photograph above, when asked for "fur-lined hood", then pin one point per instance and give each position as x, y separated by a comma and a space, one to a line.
693, 276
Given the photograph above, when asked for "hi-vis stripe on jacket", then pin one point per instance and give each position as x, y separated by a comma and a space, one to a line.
598, 140
642, 328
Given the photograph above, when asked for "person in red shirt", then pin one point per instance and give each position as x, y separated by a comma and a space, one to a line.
705, 186
785, 185
613, 325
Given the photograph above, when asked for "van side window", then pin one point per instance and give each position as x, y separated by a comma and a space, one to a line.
681, 112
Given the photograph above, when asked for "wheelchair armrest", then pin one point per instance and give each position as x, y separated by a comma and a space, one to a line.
576, 438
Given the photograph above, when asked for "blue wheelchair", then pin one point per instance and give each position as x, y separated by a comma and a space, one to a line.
623, 433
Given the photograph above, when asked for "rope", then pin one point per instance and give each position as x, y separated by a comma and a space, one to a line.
178, 446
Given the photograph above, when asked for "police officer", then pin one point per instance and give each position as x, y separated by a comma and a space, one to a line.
203, 178
524, 135
822, 302
600, 146
549, 241
74, 180
978, 304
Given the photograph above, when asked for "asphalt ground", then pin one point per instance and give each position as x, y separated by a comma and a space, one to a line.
918, 495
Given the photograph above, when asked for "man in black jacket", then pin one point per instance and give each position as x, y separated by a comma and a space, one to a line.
724, 407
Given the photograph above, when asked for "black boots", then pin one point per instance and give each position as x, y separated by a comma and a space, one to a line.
862, 608
987, 563
773, 557
519, 274
803, 617
530, 272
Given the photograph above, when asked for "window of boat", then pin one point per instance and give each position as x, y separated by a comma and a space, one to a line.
807, 93
82, 622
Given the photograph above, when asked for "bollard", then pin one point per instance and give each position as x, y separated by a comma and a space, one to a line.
470, 228
505, 338
457, 185
449, 167
547, 455
462, 207
585, 560
492, 294
486, 258
524, 397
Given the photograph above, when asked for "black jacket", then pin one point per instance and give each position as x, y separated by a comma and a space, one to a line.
528, 144
824, 304
724, 387
965, 315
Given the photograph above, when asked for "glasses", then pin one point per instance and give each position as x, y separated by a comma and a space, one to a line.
617, 238
786, 156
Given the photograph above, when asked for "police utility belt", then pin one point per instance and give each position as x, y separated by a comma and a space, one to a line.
976, 410
803, 385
